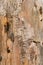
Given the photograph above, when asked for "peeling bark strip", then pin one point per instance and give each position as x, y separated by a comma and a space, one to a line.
21, 32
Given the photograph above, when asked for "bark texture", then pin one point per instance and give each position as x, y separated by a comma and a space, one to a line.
21, 32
